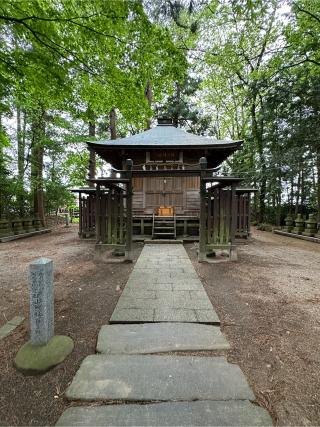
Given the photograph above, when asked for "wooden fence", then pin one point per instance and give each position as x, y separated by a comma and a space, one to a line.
243, 215
111, 216
218, 213
87, 215
113, 211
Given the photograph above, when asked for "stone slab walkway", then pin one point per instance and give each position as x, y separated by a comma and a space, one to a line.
164, 287
164, 291
150, 338
148, 378
201, 413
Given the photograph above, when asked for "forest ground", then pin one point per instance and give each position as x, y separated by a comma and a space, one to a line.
268, 303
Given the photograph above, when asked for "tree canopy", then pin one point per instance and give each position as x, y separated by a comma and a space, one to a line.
231, 69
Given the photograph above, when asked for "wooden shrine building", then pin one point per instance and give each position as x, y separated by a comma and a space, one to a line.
164, 184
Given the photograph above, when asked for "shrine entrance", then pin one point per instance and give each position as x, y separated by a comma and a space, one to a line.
106, 211
163, 192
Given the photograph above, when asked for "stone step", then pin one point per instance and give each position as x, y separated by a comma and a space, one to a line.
160, 378
200, 413
163, 218
163, 241
159, 338
159, 233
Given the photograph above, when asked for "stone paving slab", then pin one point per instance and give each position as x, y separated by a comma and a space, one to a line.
174, 301
10, 326
139, 286
143, 282
159, 290
174, 315
163, 378
129, 315
204, 413
6, 329
137, 293
159, 337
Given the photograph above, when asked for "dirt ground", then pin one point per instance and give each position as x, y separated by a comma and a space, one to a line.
268, 303
86, 292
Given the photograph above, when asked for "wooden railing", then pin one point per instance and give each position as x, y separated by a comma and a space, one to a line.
17, 226
218, 213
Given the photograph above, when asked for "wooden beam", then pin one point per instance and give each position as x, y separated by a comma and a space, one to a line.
107, 180
166, 172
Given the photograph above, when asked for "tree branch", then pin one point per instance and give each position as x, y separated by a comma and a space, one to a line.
307, 12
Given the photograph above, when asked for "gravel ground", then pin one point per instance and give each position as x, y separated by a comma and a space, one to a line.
268, 303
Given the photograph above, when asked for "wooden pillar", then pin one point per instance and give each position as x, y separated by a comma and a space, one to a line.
128, 251
203, 213
98, 213
185, 227
80, 214
244, 215
121, 237
249, 213
234, 214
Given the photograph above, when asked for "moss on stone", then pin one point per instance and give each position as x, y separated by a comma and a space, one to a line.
33, 360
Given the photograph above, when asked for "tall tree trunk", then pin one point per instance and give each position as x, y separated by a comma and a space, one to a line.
37, 150
303, 192
257, 137
291, 194
2, 174
296, 210
175, 116
92, 154
279, 192
20, 150
149, 97
113, 124
318, 184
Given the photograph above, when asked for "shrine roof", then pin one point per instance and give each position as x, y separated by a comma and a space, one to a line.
166, 135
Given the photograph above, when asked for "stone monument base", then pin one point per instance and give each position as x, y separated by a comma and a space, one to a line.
309, 233
37, 359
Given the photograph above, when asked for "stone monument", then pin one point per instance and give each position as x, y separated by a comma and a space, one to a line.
289, 223
311, 226
299, 225
67, 220
41, 301
44, 350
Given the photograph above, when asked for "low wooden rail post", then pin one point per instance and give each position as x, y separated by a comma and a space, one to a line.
128, 251
234, 216
249, 213
98, 214
203, 213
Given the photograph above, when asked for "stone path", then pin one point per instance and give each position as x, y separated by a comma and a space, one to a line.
201, 413
148, 338
163, 389
164, 287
